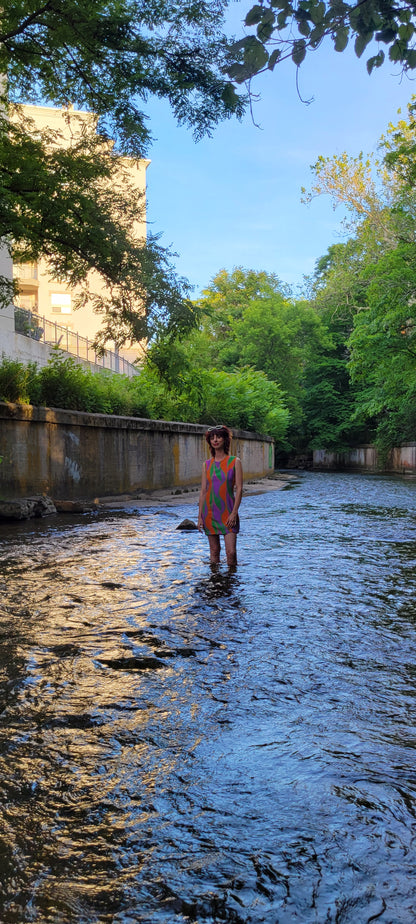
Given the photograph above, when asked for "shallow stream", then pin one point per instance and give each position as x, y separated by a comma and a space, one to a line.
184, 745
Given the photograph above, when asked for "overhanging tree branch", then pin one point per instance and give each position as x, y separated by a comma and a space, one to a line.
24, 25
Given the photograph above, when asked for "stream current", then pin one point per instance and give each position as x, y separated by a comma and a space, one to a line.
179, 744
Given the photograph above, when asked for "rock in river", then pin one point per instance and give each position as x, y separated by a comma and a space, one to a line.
26, 507
187, 524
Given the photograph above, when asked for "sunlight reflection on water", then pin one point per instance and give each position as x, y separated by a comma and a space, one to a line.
182, 744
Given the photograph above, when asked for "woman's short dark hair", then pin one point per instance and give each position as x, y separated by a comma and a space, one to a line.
223, 431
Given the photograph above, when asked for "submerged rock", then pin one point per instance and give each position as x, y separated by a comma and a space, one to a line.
133, 664
187, 524
27, 507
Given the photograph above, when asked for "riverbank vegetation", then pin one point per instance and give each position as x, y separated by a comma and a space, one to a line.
252, 402
331, 370
345, 354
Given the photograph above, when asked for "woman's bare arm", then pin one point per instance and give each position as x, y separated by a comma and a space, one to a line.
202, 494
238, 493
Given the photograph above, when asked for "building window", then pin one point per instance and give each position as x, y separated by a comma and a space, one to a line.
61, 303
25, 271
27, 300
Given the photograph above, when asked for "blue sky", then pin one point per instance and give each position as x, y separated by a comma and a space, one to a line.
234, 199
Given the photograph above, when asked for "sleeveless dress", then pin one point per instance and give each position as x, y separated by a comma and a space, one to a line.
219, 497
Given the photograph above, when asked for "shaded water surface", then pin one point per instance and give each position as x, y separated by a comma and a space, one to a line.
179, 745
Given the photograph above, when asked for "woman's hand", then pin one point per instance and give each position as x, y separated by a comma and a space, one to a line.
232, 519
200, 523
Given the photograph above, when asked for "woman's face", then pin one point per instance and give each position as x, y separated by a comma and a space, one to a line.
217, 441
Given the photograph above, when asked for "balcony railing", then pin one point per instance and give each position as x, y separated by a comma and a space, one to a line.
38, 328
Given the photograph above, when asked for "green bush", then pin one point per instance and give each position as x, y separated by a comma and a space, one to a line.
14, 381
64, 384
244, 399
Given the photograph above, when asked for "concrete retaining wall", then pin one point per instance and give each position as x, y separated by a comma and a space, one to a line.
366, 458
71, 455
24, 349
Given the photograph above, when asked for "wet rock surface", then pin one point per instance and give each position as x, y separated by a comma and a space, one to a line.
187, 525
75, 506
26, 508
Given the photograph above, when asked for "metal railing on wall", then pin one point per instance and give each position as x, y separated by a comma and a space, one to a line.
41, 329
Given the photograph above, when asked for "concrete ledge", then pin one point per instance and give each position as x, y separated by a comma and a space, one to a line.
70, 455
27, 412
366, 458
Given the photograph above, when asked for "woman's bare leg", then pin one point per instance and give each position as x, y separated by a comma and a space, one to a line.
214, 549
230, 540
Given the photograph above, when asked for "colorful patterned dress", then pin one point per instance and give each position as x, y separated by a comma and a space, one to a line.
219, 498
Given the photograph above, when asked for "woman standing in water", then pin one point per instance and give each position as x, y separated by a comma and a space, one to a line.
220, 495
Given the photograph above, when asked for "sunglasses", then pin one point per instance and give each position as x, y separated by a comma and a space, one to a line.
218, 430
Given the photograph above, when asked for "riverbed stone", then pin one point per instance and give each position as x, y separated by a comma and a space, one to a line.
44, 506
16, 509
187, 525
25, 508
75, 506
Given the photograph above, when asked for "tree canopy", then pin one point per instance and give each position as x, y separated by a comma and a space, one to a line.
73, 205
365, 293
109, 56
76, 207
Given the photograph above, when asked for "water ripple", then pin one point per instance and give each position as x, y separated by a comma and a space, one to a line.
183, 744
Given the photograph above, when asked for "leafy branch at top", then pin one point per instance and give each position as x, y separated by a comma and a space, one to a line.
109, 56
291, 28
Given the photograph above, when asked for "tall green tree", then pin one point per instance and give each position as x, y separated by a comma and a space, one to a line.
383, 349
383, 341
252, 320
74, 206
223, 307
208, 371
329, 398
339, 293
364, 290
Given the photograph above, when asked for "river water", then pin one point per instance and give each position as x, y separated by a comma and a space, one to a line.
185, 745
